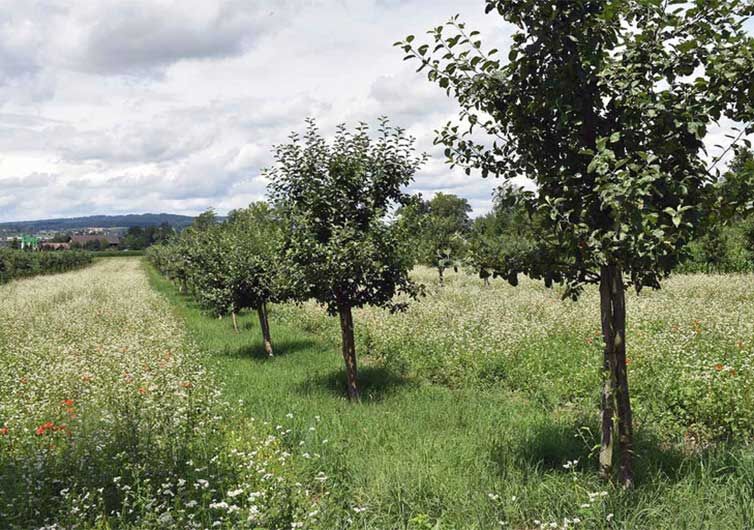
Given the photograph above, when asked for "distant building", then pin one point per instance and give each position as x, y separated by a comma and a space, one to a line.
50, 245
105, 241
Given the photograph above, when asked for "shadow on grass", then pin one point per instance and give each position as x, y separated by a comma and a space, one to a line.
548, 444
375, 383
255, 349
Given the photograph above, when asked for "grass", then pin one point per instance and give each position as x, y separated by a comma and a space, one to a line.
419, 455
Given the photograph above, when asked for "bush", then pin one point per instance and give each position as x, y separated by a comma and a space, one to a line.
722, 250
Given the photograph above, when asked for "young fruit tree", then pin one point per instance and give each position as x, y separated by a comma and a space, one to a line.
230, 266
438, 229
256, 278
335, 198
507, 233
605, 105
207, 253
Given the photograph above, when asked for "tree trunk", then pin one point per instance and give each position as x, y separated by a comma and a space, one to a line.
235, 321
349, 351
622, 395
264, 324
616, 404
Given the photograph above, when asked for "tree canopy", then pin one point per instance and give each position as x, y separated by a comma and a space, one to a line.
437, 228
230, 266
605, 105
335, 197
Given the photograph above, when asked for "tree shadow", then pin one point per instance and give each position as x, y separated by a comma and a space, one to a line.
548, 445
255, 349
375, 383
545, 445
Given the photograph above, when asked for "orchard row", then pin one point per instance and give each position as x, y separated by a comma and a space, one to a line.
604, 106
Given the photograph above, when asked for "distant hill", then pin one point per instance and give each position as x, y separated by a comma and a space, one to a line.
103, 221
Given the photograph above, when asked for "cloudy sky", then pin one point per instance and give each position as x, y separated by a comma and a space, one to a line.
111, 106
121, 106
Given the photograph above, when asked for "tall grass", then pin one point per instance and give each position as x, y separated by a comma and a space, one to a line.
690, 347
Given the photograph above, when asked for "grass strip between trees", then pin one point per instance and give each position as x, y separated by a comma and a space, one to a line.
416, 456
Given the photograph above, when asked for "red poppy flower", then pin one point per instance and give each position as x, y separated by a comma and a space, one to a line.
3, 431
46, 426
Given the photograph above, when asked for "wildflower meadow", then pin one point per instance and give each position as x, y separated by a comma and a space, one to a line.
108, 418
344, 344
478, 404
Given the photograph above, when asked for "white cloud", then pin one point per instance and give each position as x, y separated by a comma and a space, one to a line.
167, 105
173, 105
138, 36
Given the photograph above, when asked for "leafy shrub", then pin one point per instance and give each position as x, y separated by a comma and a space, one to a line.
722, 250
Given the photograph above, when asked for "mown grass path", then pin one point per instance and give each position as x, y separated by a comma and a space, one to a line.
425, 456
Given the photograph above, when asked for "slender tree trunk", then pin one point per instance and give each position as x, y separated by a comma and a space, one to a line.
264, 324
349, 351
616, 404
622, 395
235, 321
608, 397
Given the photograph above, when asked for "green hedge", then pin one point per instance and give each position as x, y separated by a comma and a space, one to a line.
19, 263
728, 249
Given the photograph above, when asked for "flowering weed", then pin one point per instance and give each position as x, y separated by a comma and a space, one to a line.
107, 417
